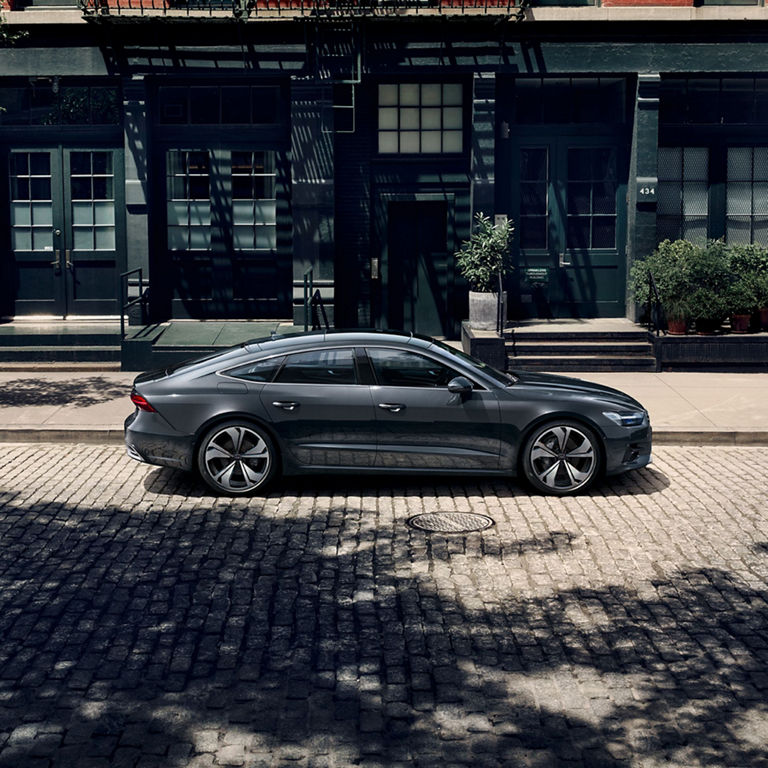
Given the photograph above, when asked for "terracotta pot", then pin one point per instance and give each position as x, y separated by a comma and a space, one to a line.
740, 323
677, 326
764, 318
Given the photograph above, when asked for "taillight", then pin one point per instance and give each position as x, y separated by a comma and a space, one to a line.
141, 402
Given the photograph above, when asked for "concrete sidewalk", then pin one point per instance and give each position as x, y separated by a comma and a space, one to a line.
690, 408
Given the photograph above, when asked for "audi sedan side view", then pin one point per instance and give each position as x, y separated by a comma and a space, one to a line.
378, 402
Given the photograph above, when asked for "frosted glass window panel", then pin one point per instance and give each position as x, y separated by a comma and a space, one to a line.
431, 141
242, 212
670, 163
431, 95
199, 239
42, 240
104, 213
409, 142
388, 118
760, 230
409, 94
177, 238
82, 214
387, 142
695, 199
739, 230
694, 230
739, 164
760, 198
453, 94
21, 214
430, 119
266, 211
409, 119
452, 117
760, 164
266, 237
739, 198
696, 164
243, 238
669, 199
22, 239
452, 141
388, 95
42, 214
200, 213
83, 238
178, 213
105, 238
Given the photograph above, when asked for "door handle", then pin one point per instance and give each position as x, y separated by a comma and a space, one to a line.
392, 407
565, 260
56, 263
286, 405
68, 259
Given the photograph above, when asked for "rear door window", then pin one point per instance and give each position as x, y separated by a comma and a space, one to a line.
320, 366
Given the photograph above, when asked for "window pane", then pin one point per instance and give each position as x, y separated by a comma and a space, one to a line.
431, 95
739, 198
533, 164
80, 163
739, 231
533, 198
332, 366
204, 105
388, 95
579, 198
603, 232
387, 142
409, 141
696, 164
533, 232
430, 141
409, 119
177, 238
21, 214
42, 214
200, 213
83, 238
740, 164
82, 214
394, 368
578, 232
178, 213
265, 211
452, 94
22, 239
104, 213
199, 238
235, 105
670, 162
669, 199
243, 238
105, 238
452, 117
265, 237
242, 212
409, 94
452, 141
263, 370
42, 240
40, 189
430, 118
388, 118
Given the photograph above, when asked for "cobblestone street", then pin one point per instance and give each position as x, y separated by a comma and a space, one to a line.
144, 623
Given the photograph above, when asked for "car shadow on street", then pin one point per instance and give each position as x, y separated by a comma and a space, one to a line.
643, 482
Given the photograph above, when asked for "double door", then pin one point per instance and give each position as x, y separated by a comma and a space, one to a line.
569, 205
66, 231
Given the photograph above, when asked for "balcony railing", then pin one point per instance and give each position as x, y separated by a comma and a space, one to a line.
293, 8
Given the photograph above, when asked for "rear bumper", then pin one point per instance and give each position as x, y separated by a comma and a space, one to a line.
144, 442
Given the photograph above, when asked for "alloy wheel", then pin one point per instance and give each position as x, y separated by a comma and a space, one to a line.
236, 458
561, 458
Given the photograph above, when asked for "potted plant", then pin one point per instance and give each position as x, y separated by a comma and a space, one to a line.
742, 300
750, 262
710, 279
760, 285
483, 260
668, 265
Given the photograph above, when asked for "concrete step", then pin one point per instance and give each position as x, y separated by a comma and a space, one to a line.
53, 338
578, 347
565, 334
59, 353
582, 363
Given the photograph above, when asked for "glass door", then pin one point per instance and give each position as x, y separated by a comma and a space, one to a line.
65, 231
571, 228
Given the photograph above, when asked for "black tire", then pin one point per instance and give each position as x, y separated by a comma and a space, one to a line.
562, 457
236, 458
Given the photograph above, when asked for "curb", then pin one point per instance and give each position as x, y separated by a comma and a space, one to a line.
114, 436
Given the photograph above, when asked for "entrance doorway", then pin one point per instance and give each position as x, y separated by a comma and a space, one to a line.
419, 270
66, 231
568, 204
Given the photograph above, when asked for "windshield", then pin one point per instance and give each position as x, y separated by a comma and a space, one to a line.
505, 379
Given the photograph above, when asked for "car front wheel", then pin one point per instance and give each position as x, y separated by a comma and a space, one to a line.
562, 457
236, 458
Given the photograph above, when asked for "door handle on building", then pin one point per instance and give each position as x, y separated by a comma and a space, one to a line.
68, 259
56, 263
565, 260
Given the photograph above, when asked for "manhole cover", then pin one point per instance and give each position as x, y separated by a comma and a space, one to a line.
450, 522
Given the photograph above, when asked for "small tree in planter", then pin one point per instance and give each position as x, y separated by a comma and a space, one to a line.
750, 263
710, 279
742, 302
669, 265
483, 260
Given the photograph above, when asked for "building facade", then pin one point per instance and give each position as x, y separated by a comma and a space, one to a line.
226, 153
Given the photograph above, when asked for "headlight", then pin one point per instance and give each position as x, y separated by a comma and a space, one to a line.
630, 419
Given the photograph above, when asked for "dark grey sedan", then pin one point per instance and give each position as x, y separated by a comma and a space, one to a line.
378, 402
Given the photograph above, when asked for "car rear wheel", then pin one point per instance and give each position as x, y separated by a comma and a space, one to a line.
236, 458
562, 457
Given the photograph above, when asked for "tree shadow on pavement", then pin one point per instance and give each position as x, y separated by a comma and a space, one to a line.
285, 630
78, 392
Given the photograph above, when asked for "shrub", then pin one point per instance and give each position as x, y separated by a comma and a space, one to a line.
485, 256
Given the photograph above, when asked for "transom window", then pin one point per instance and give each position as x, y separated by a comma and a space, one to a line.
418, 118
218, 105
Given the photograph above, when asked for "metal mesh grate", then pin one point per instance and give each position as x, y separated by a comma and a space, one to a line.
450, 522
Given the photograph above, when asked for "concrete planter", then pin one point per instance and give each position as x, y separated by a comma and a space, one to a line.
483, 308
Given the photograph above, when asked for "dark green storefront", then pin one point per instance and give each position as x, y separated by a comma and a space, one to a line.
229, 159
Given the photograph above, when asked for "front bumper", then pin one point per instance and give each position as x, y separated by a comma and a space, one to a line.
627, 452
144, 441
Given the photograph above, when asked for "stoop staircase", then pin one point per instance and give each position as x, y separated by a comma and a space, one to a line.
600, 344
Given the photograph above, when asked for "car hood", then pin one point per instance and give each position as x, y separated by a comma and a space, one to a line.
565, 385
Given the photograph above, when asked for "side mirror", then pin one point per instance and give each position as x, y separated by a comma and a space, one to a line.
460, 386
